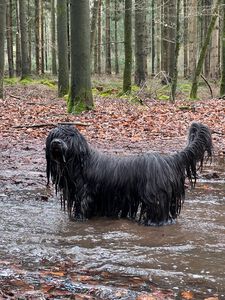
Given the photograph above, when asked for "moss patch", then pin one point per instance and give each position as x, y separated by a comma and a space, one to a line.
164, 97
11, 81
27, 80
50, 83
135, 88
78, 104
185, 87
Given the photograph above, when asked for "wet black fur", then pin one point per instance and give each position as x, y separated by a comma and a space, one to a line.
149, 187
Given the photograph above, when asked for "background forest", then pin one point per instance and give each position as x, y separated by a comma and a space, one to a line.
142, 40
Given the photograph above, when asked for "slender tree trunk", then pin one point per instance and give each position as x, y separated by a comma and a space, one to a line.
192, 37
158, 36
29, 32
176, 54
54, 67
108, 68
46, 45
165, 36
62, 42
2, 43
96, 56
185, 37
18, 48
214, 53
207, 7
116, 38
24, 40
172, 36
127, 46
140, 42
38, 36
9, 36
94, 16
99, 54
194, 88
153, 37
220, 25
68, 32
222, 84
80, 92
42, 39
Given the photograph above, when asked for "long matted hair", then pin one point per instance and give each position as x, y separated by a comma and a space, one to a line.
148, 187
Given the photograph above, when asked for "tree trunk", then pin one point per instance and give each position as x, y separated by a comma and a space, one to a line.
176, 54
99, 54
94, 16
194, 88
9, 36
192, 37
214, 53
46, 44
29, 24
153, 37
42, 39
24, 40
185, 37
80, 93
207, 7
54, 67
140, 42
68, 32
96, 56
38, 36
18, 49
116, 38
2, 43
158, 36
127, 46
108, 68
165, 36
62, 41
171, 36
222, 84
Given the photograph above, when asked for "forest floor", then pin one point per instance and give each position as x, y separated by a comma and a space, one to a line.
116, 125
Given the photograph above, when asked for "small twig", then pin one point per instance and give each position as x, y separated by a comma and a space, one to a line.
50, 101
51, 124
217, 132
164, 75
74, 123
16, 97
211, 92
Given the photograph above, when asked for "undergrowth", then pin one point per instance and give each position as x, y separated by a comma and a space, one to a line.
111, 87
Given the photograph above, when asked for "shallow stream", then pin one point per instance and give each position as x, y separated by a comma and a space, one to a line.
188, 255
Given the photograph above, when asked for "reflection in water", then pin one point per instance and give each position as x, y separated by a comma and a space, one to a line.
187, 255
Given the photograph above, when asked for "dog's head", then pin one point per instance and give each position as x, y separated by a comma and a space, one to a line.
58, 150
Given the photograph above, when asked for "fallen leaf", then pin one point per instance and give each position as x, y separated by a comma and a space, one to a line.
188, 295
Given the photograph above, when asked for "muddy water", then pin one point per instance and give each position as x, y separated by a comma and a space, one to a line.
189, 255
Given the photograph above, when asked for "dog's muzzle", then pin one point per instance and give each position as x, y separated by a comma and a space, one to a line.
58, 150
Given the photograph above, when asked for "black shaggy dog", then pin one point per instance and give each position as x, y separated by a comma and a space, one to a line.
148, 187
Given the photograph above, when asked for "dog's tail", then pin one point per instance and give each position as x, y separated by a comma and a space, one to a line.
198, 149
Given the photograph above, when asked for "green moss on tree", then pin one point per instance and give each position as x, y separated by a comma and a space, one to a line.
79, 103
80, 98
